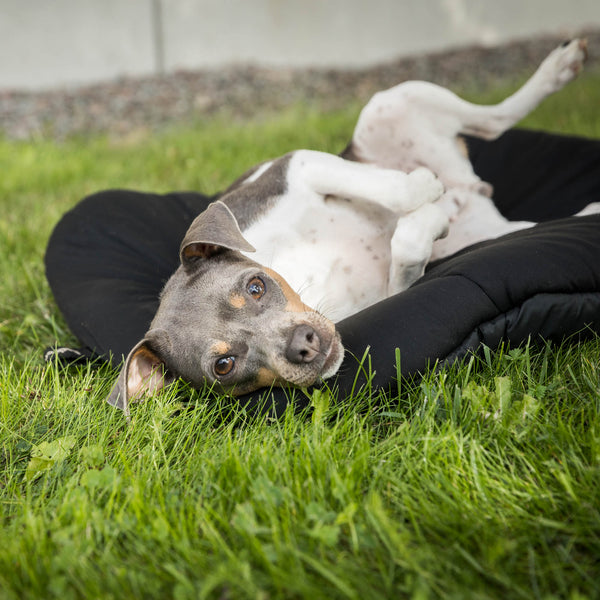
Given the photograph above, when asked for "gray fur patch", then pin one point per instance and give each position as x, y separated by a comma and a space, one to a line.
249, 201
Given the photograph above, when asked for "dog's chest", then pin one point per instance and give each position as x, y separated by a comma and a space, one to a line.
334, 253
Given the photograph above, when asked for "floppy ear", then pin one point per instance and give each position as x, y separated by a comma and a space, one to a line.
212, 231
143, 373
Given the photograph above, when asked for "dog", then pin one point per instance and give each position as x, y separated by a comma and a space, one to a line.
305, 240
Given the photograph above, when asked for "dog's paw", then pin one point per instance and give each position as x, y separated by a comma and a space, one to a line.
412, 244
424, 186
416, 232
591, 209
564, 63
483, 188
438, 220
452, 202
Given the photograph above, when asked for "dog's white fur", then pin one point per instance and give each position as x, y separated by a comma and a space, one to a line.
347, 234
334, 236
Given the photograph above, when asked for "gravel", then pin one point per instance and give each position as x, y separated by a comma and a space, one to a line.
126, 105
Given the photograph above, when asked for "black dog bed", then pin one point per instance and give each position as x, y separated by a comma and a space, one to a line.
109, 257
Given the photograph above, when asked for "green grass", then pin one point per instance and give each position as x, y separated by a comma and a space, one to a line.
481, 481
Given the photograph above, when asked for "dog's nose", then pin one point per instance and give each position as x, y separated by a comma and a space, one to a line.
304, 345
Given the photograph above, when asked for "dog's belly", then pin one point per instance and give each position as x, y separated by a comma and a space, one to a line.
335, 254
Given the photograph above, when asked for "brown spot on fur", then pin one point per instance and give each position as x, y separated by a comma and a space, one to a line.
462, 146
294, 303
266, 378
237, 300
350, 153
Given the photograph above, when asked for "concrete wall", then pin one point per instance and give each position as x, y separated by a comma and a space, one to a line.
48, 43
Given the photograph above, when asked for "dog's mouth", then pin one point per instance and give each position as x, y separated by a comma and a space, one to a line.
333, 357
313, 352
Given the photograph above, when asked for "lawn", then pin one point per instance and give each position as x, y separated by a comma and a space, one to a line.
479, 481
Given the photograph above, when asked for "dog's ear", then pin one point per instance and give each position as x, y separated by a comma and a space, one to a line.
143, 373
214, 230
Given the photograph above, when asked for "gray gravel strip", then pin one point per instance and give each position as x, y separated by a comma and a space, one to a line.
129, 104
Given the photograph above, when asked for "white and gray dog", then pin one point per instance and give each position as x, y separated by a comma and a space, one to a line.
312, 230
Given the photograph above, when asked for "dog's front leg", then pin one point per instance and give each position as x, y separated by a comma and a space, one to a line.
412, 244
331, 175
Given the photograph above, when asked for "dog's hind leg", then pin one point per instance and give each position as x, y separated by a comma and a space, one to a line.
561, 66
417, 123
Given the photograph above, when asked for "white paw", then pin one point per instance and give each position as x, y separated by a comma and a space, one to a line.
416, 232
424, 186
591, 209
564, 63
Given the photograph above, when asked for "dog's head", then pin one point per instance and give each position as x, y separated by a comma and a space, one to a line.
227, 320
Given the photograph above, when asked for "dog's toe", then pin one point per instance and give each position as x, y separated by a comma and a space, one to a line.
565, 62
484, 189
424, 186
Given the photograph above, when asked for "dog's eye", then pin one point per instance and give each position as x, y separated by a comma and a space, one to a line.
256, 288
224, 365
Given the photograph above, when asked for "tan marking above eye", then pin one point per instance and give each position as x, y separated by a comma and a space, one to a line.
294, 303
237, 300
220, 348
